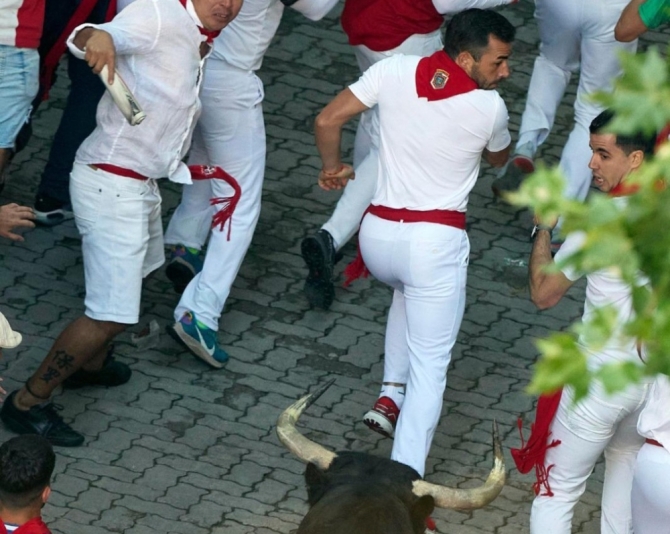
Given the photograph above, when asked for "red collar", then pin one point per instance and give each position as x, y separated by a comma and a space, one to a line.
439, 77
34, 526
210, 34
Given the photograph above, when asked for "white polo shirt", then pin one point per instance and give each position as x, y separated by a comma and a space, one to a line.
654, 421
430, 152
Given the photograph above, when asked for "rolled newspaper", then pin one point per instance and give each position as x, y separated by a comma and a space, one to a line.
123, 98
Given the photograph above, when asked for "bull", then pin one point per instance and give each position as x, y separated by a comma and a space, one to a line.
357, 493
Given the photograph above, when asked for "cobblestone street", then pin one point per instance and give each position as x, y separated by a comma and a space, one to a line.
183, 448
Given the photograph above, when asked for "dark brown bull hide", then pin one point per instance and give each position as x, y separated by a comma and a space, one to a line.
364, 494
356, 493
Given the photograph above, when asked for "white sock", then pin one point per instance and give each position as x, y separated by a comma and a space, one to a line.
395, 393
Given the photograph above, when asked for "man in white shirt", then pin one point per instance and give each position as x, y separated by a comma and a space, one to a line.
438, 116
600, 423
231, 135
158, 47
377, 29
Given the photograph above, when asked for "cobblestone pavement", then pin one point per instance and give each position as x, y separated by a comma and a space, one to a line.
185, 449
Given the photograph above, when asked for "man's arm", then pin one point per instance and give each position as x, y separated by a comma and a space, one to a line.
630, 25
496, 159
328, 133
546, 289
15, 216
99, 49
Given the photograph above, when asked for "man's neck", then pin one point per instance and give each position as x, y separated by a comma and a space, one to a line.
19, 517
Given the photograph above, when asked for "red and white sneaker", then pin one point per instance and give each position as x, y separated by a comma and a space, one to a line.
431, 527
383, 417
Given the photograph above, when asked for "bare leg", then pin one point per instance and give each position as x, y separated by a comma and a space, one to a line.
83, 344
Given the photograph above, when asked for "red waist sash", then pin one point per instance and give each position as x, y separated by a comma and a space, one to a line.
357, 268
653, 442
119, 171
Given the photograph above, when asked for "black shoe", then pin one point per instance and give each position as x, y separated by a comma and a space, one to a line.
42, 419
111, 374
318, 251
50, 212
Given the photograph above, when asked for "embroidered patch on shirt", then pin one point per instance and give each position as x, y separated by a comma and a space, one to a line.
440, 79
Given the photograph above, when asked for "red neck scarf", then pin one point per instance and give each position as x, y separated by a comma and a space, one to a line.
210, 34
622, 189
34, 526
439, 77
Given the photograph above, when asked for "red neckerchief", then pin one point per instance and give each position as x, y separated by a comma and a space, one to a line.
532, 453
623, 189
439, 77
210, 34
53, 55
34, 526
228, 204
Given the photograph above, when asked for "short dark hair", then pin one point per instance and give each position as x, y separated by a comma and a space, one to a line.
469, 31
26, 465
627, 143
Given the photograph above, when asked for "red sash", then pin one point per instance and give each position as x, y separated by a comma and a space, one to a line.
382, 25
439, 77
653, 442
357, 269
34, 526
228, 204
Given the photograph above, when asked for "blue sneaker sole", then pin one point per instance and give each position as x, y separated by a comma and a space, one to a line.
178, 333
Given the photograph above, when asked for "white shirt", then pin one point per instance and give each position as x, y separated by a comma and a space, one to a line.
245, 40
429, 152
654, 421
604, 288
158, 56
455, 6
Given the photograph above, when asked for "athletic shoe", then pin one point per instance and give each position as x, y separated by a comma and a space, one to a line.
199, 339
111, 374
512, 174
431, 527
42, 419
50, 212
184, 264
318, 251
383, 417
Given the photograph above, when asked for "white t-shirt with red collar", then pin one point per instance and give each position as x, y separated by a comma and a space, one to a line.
430, 152
21, 23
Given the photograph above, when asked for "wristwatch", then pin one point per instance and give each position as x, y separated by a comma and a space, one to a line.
537, 228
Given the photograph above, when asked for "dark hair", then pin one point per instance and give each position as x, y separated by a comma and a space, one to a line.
469, 31
26, 465
627, 143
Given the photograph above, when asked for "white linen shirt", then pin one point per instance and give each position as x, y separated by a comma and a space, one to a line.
429, 152
158, 56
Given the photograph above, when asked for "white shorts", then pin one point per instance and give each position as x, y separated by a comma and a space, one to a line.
119, 220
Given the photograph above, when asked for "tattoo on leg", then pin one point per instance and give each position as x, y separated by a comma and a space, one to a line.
61, 361
50, 375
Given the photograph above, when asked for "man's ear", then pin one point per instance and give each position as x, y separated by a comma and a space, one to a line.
465, 61
46, 492
636, 158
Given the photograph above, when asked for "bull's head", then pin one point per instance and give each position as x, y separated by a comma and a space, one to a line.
354, 493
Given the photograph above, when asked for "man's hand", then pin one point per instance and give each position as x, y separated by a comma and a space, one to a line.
99, 48
336, 180
15, 216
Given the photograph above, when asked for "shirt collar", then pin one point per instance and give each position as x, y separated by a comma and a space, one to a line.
208, 35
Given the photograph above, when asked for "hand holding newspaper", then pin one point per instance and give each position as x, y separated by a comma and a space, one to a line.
123, 98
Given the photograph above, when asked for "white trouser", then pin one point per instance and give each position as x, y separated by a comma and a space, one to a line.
426, 265
570, 31
358, 193
231, 135
651, 491
599, 423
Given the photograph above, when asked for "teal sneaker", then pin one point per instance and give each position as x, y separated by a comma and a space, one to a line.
199, 339
183, 265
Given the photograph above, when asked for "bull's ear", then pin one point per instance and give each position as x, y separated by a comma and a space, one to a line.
422, 508
316, 480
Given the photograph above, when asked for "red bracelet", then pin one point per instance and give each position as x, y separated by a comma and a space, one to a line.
334, 173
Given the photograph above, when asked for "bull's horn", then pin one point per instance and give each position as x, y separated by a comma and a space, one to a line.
303, 448
469, 499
